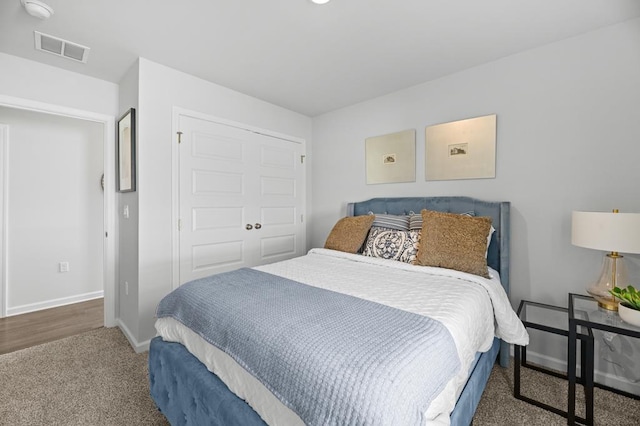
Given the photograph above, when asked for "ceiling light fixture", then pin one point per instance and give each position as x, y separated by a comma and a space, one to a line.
37, 8
320, 1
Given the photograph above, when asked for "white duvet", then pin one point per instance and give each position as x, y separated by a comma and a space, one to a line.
472, 308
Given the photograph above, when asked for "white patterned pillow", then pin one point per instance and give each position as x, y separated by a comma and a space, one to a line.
392, 244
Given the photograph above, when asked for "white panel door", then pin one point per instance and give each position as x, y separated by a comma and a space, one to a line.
240, 198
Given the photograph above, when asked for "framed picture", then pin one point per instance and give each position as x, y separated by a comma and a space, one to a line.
391, 158
126, 152
464, 149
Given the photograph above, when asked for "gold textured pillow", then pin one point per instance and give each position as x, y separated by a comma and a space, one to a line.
454, 241
349, 233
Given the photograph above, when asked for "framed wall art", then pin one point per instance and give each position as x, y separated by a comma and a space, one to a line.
126, 152
464, 149
391, 158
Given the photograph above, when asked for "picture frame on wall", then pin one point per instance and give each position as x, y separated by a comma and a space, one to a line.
126, 152
464, 149
391, 158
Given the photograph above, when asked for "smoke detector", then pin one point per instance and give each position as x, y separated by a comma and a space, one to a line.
37, 8
60, 47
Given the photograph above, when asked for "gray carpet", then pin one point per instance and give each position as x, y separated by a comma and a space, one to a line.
499, 407
97, 379
94, 378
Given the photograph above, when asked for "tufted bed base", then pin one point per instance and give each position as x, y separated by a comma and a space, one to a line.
188, 394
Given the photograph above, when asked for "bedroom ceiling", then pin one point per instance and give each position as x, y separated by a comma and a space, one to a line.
302, 56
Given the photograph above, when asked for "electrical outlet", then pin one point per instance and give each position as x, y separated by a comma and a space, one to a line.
64, 266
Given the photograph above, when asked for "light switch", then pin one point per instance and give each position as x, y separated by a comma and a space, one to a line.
125, 212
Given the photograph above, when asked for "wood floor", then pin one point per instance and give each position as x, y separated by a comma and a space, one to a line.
26, 330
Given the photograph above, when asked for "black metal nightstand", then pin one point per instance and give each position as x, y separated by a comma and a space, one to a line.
550, 319
584, 313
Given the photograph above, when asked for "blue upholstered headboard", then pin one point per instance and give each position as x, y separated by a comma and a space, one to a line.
498, 255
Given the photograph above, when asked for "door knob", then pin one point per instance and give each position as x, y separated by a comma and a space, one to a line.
248, 227
258, 226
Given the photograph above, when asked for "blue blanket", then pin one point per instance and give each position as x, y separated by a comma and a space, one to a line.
331, 358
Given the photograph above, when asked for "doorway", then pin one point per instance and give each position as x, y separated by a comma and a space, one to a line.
53, 231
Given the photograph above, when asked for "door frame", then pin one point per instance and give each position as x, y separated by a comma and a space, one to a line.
109, 213
178, 112
4, 137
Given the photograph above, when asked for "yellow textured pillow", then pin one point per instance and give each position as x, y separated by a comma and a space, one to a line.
349, 233
454, 241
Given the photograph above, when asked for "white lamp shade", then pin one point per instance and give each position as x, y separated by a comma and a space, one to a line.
615, 232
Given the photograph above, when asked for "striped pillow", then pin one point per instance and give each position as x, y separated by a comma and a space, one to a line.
391, 221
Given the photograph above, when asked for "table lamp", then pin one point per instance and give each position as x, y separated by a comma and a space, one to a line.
613, 232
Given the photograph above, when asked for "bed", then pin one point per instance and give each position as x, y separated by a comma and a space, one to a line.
181, 359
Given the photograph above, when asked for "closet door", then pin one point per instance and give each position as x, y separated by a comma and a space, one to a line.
240, 198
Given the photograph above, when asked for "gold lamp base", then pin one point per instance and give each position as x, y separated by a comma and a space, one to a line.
608, 304
613, 273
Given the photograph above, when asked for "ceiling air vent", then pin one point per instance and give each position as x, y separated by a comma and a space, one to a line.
60, 47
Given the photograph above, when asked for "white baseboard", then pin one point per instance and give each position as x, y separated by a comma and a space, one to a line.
599, 376
137, 346
548, 362
54, 303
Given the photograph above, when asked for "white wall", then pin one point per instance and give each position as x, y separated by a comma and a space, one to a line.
127, 292
160, 89
27, 79
568, 139
55, 210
